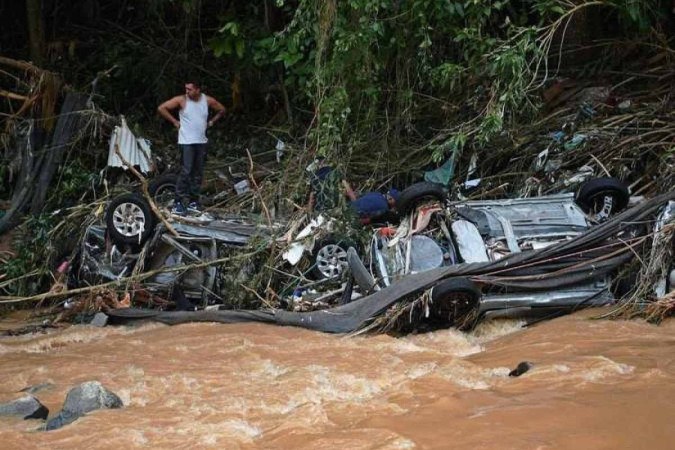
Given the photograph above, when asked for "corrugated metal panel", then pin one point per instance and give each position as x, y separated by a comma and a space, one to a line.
135, 150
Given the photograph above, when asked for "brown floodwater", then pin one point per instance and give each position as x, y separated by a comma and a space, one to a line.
595, 384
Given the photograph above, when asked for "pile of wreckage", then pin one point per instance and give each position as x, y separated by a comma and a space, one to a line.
472, 241
443, 260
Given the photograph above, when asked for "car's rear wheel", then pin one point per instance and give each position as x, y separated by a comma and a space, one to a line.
163, 189
454, 298
603, 197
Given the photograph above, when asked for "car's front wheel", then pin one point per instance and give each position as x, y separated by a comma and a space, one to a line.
330, 258
129, 219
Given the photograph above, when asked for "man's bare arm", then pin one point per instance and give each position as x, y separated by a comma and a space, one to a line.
216, 106
349, 192
165, 109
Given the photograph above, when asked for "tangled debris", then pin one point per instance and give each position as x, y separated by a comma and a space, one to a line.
619, 127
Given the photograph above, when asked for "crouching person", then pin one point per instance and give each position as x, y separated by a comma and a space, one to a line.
372, 206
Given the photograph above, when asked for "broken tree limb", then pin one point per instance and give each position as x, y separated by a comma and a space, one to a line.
11, 300
146, 193
257, 189
12, 95
18, 64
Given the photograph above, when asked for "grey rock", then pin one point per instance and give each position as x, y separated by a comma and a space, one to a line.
37, 388
100, 320
27, 407
82, 399
61, 420
521, 369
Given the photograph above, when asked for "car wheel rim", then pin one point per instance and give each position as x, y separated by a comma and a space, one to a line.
129, 219
331, 261
603, 206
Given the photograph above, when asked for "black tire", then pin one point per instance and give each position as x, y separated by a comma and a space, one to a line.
456, 296
414, 195
363, 278
129, 220
163, 189
329, 258
603, 197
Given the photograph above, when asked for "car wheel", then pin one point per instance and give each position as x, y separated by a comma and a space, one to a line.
455, 297
163, 189
602, 197
330, 258
418, 193
129, 220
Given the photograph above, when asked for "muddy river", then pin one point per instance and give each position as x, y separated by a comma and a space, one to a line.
594, 384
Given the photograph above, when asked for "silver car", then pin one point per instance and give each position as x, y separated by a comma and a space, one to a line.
436, 233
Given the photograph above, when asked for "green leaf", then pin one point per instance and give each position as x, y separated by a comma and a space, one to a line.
239, 48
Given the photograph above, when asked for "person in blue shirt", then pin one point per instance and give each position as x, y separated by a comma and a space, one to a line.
328, 186
372, 205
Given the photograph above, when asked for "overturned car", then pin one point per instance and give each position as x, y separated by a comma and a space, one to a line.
439, 234
447, 262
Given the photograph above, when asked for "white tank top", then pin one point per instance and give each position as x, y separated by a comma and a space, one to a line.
193, 118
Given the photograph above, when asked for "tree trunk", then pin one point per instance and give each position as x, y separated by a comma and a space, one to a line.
66, 126
40, 161
36, 35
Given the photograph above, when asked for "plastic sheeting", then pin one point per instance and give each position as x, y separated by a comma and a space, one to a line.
136, 151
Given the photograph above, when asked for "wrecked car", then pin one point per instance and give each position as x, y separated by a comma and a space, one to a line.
434, 234
133, 239
438, 233
130, 242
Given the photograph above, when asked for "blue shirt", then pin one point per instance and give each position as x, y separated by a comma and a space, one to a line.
370, 204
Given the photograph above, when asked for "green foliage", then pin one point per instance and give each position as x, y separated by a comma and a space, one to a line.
34, 250
228, 41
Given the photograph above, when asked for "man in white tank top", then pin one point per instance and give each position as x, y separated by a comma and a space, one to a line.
193, 121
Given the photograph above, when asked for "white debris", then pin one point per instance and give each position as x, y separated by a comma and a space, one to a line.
136, 151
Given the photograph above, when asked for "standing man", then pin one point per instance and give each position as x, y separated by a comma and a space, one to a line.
193, 121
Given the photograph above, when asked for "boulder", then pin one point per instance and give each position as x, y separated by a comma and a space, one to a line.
27, 407
521, 369
100, 320
82, 399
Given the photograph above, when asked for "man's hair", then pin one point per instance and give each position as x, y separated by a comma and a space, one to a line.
194, 82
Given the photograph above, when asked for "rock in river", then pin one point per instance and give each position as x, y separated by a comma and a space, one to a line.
82, 399
27, 407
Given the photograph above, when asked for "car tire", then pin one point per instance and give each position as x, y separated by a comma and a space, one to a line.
329, 258
461, 294
163, 189
603, 197
129, 220
418, 193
